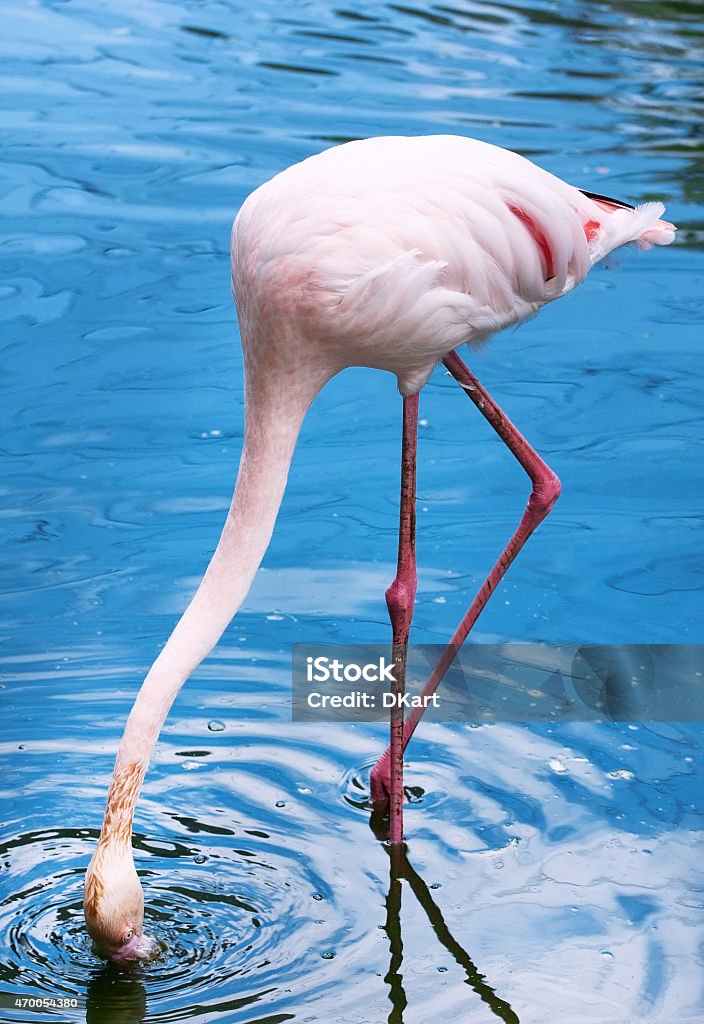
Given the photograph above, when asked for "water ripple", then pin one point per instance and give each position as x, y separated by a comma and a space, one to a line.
551, 874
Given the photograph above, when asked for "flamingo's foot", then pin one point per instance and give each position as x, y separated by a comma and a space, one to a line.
380, 782
379, 797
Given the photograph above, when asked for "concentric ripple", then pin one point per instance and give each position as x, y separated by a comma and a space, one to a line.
237, 920
355, 787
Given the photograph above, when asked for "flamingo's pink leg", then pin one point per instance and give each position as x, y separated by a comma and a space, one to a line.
544, 494
400, 598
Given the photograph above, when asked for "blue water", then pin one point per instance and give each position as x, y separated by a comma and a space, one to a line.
564, 863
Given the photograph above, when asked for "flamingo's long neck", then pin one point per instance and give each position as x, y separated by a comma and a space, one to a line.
274, 414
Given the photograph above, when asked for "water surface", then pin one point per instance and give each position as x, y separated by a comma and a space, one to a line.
554, 873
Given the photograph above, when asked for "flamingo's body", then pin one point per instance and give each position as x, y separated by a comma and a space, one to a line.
391, 252
386, 253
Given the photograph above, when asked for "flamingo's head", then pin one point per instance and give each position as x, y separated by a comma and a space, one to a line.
113, 904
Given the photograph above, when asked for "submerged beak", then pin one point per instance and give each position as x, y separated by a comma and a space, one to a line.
139, 947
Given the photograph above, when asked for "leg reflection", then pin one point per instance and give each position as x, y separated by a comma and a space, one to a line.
400, 867
394, 978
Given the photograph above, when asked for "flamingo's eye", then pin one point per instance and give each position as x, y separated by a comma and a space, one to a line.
127, 936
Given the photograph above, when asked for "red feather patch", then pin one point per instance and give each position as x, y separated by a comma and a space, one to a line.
590, 229
539, 238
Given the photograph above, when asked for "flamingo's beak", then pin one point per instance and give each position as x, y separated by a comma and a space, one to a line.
139, 947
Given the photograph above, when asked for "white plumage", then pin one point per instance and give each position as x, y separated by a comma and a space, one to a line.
390, 252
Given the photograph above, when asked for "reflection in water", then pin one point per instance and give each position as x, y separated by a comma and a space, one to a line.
400, 868
116, 996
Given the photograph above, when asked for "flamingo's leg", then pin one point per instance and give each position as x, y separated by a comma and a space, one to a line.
400, 598
544, 494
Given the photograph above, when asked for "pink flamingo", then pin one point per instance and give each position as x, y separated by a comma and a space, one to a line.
386, 253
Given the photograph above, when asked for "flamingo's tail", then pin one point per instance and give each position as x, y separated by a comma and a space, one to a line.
658, 232
623, 224
645, 228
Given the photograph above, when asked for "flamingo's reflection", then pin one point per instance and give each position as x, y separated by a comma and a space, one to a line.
118, 996
401, 868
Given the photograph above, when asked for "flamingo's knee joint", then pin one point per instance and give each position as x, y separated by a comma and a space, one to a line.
546, 491
400, 600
